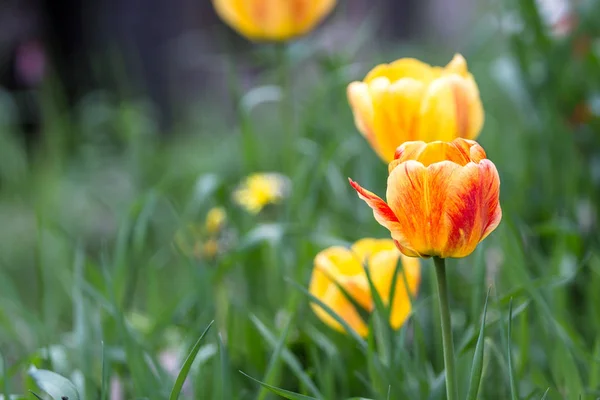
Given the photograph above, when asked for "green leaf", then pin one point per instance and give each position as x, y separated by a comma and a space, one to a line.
281, 351
545, 396
286, 394
477, 366
185, 368
361, 342
57, 386
514, 391
225, 379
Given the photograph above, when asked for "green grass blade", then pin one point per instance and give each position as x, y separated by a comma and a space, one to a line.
359, 340
104, 383
286, 394
185, 368
225, 379
477, 366
287, 356
514, 391
545, 396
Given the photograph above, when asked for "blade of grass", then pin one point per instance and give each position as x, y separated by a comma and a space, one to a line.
514, 391
286, 394
287, 356
359, 340
187, 365
273, 367
477, 365
225, 379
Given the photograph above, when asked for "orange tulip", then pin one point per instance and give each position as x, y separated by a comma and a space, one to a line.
442, 198
347, 268
409, 100
273, 19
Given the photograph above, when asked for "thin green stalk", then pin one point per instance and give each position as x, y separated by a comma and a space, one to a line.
287, 104
448, 344
243, 118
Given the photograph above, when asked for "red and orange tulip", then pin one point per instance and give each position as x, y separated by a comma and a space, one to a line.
273, 20
409, 100
442, 198
347, 268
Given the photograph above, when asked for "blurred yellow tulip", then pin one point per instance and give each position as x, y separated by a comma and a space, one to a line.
273, 20
347, 268
409, 100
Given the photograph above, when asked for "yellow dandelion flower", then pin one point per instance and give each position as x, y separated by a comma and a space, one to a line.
259, 190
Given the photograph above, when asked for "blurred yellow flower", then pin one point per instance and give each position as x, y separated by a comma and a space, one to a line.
259, 190
274, 20
210, 248
215, 219
346, 267
409, 100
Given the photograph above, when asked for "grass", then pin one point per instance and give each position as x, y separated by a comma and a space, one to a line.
93, 288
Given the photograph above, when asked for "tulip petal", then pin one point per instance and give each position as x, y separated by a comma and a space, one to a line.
335, 299
458, 65
361, 104
417, 194
472, 210
395, 114
385, 216
365, 248
438, 116
383, 266
402, 68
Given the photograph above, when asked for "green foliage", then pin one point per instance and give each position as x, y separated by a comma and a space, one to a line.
98, 296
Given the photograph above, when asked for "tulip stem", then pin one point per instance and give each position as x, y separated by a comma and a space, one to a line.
287, 105
448, 344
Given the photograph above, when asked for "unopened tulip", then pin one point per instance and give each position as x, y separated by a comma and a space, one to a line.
346, 267
409, 100
442, 198
273, 20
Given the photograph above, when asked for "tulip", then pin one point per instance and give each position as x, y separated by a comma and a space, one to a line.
347, 268
409, 100
442, 198
273, 20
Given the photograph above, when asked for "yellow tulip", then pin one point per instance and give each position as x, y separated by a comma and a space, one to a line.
443, 198
273, 20
409, 100
347, 268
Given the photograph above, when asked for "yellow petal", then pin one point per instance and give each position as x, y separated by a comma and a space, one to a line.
361, 104
396, 108
402, 68
338, 261
438, 117
458, 65
335, 299
365, 248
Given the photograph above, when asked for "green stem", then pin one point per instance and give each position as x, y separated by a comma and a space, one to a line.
243, 118
287, 105
448, 345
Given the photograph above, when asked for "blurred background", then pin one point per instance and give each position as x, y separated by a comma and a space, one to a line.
123, 122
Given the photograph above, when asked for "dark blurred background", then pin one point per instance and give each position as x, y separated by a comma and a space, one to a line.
169, 51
